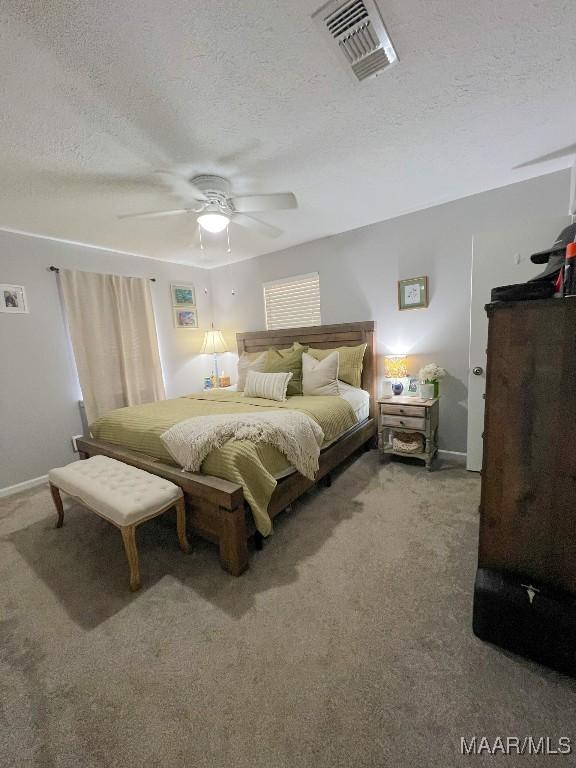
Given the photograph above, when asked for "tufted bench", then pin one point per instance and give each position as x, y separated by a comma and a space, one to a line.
123, 495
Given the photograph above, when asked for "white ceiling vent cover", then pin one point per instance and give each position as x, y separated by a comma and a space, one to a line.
357, 28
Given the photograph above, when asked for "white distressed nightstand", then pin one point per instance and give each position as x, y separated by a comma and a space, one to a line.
412, 415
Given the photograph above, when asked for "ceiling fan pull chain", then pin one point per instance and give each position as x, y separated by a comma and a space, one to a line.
229, 252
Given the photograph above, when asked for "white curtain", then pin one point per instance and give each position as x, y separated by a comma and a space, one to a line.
113, 334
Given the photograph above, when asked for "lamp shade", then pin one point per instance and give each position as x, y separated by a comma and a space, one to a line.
395, 367
213, 344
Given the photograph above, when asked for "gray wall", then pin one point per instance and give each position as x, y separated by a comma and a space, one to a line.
359, 271
39, 389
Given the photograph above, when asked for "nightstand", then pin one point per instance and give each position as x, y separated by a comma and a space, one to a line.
411, 415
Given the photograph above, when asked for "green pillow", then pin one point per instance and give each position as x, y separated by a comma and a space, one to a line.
287, 361
350, 365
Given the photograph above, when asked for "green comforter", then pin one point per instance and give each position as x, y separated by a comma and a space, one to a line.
251, 465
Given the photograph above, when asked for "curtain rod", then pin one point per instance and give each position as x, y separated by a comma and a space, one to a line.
57, 269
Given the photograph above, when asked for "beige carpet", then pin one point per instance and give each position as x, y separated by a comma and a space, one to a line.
347, 643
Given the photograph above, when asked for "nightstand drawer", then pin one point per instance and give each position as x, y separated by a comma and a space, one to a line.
403, 421
403, 410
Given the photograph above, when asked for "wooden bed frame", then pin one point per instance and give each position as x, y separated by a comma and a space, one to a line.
216, 508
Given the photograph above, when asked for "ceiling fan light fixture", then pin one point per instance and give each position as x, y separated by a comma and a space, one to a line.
213, 222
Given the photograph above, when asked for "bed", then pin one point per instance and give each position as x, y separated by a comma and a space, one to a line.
218, 508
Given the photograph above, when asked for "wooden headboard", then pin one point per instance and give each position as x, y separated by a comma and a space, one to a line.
323, 337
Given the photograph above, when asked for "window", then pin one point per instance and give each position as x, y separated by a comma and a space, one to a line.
292, 302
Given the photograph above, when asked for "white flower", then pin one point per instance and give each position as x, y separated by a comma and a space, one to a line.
431, 373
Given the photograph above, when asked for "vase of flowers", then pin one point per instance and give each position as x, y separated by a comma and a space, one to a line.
430, 376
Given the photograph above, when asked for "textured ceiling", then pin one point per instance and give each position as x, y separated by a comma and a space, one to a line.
97, 95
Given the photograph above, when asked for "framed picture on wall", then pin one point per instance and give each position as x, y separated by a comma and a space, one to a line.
183, 295
185, 318
413, 293
13, 299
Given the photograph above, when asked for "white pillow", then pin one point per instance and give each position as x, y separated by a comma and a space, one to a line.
246, 364
320, 377
272, 386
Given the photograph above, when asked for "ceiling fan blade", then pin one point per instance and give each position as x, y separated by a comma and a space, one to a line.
156, 214
182, 184
256, 225
276, 202
557, 154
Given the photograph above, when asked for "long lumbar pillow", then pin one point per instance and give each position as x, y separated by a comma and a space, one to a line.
272, 386
249, 362
320, 377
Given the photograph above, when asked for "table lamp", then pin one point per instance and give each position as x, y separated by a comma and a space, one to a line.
215, 345
396, 367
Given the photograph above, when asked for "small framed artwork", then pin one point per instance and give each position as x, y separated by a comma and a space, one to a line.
13, 299
413, 387
185, 318
183, 295
413, 293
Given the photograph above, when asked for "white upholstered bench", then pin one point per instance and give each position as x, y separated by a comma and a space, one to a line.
123, 495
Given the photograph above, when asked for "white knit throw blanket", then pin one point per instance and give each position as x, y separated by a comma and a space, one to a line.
295, 434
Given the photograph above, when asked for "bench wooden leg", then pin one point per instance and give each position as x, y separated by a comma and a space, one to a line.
181, 525
129, 539
57, 499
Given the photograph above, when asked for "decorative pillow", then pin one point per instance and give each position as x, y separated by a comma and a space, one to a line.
272, 386
287, 361
320, 377
351, 358
249, 362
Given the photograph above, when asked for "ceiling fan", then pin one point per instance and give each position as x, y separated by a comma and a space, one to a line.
215, 207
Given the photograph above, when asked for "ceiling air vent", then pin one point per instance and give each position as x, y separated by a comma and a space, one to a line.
357, 28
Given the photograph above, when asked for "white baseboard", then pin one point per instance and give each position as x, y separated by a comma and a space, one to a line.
456, 455
19, 487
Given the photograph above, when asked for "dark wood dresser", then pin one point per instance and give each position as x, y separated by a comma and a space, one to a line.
525, 591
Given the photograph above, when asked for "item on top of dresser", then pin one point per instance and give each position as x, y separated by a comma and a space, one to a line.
426, 391
431, 374
123, 495
271, 386
249, 361
570, 271
408, 442
414, 387
396, 368
320, 377
523, 291
224, 381
554, 257
207, 382
386, 388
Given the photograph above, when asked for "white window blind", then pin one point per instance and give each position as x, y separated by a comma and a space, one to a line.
292, 302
